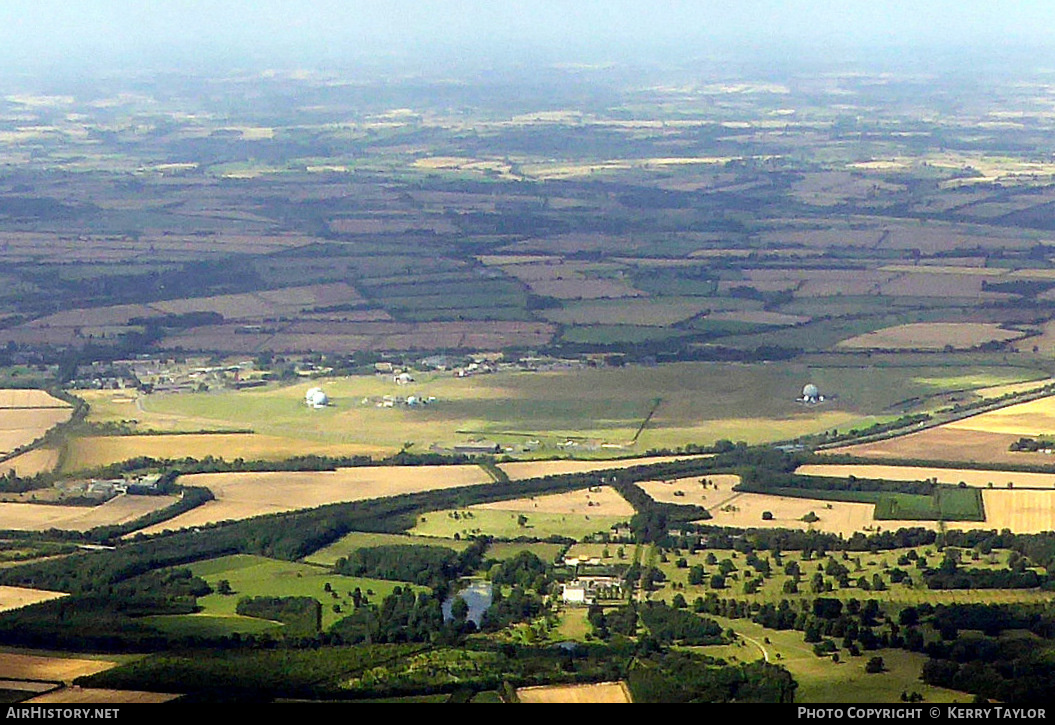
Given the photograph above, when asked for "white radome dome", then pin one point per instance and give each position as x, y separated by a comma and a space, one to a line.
810, 391
316, 398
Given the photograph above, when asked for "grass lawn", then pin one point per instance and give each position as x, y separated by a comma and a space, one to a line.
573, 626
257, 576
504, 524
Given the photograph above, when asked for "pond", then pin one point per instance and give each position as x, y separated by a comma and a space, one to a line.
477, 595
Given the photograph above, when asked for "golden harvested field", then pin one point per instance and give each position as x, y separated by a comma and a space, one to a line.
1012, 388
22, 426
18, 597
1023, 512
744, 510
601, 501
930, 336
94, 696
40, 517
30, 463
975, 478
535, 469
720, 487
30, 399
596, 692
244, 495
103, 450
1044, 342
1033, 418
947, 444
15, 666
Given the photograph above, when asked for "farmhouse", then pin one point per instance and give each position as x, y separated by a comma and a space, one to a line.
588, 589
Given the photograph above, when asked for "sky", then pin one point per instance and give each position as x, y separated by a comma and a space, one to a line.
40, 34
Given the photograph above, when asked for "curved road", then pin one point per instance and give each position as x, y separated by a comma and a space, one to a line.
756, 643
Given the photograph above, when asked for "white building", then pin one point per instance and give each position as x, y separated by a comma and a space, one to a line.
316, 398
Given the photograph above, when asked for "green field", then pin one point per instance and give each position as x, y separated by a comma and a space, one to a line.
821, 680
503, 524
256, 576
700, 402
503, 550
209, 625
329, 555
946, 504
859, 565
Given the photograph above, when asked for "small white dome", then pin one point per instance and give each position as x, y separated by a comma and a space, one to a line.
316, 398
810, 391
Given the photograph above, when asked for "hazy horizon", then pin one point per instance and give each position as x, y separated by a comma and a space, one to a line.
81, 36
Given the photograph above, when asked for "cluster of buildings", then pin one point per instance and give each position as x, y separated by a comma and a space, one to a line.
147, 485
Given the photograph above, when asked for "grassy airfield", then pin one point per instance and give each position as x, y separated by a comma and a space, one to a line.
607, 411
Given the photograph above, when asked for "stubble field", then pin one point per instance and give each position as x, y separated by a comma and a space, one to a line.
244, 495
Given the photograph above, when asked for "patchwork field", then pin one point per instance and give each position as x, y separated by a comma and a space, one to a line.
606, 692
40, 517
931, 336
599, 501
244, 495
